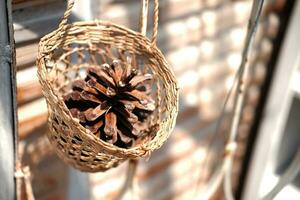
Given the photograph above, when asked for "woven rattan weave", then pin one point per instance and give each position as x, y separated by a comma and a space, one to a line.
63, 56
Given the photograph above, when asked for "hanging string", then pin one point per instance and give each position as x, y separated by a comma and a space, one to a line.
129, 184
144, 17
23, 173
241, 91
224, 171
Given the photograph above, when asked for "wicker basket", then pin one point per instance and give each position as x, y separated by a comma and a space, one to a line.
65, 53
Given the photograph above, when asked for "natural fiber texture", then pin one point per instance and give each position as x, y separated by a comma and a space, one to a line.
65, 54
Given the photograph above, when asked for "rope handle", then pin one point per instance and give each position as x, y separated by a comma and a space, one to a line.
23, 173
129, 181
143, 18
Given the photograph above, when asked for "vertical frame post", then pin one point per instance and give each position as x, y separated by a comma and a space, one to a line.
8, 115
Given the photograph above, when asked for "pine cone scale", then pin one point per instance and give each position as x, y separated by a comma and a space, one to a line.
94, 128
102, 76
124, 138
135, 81
100, 88
79, 85
87, 96
140, 96
77, 114
109, 70
131, 75
110, 124
92, 114
118, 72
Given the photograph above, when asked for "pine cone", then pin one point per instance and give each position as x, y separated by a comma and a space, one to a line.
113, 102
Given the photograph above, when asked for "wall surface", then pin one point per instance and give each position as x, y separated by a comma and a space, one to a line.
202, 40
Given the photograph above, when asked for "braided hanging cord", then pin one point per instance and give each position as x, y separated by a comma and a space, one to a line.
155, 22
67, 13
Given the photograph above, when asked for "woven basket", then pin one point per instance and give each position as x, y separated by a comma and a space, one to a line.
63, 56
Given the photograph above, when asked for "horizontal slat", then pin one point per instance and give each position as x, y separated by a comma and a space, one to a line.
31, 116
28, 87
34, 22
26, 55
35, 31
32, 109
32, 126
38, 13
28, 92
23, 4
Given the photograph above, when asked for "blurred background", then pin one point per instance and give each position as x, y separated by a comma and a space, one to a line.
202, 41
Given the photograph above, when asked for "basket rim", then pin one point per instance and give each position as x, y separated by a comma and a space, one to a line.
142, 149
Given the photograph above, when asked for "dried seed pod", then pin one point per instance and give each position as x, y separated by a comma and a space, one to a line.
112, 103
